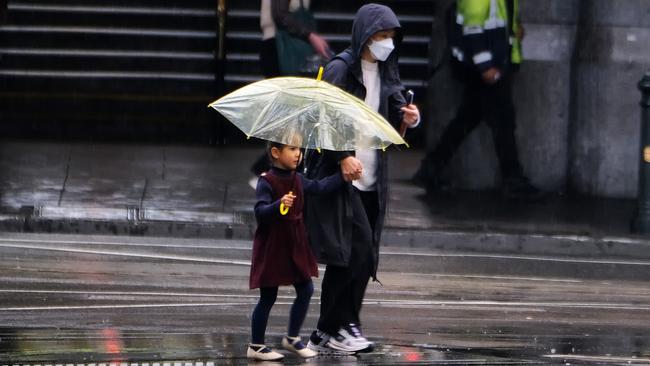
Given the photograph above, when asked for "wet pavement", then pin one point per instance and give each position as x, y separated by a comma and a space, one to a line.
160, 274
79, 299
203, 192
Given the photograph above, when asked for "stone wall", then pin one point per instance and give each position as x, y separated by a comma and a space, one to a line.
576, 98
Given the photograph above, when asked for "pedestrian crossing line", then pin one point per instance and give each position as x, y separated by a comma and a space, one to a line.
157, 363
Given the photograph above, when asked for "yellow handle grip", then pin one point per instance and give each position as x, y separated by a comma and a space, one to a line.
284, 210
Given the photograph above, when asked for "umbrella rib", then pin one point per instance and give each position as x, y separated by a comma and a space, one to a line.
261, 116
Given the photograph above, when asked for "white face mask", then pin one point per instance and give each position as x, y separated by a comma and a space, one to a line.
380, 50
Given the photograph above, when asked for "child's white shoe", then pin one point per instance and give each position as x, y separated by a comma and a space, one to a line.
295, 345
262, 353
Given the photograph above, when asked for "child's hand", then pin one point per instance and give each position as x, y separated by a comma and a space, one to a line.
287, 200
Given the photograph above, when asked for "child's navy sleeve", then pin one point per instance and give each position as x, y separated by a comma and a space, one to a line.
322, 186
265, 208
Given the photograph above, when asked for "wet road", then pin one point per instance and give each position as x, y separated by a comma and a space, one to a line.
92, 300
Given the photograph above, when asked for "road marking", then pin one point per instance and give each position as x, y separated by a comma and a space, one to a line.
123, 254
385, 253
14, 244
520, 257
367, 302
151, 363
628, 360
510, 278
245, 245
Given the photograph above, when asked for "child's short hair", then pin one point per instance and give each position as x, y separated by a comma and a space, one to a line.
270, 145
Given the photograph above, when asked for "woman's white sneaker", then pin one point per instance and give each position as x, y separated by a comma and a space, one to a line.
346, 342
262, 353
355, 331
295, 345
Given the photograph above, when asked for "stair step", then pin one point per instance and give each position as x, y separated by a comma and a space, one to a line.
79, 59
155, 83
121, 38
109, 9
112, 16
179, 4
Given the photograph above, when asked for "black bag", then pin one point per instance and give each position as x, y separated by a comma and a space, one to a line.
294, 53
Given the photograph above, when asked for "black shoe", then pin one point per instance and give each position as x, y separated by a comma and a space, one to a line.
420, 179
429, 178
520, 189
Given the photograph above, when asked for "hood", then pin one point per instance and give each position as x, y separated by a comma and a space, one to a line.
370, 19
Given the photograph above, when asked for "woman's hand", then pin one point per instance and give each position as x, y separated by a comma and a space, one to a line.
411, 114
319, 44
351, 168
287, 200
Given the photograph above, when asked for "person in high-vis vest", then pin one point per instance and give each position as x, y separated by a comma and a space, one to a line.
485, 40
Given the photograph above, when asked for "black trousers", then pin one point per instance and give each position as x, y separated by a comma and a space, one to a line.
269, 59
480, 102
344, 288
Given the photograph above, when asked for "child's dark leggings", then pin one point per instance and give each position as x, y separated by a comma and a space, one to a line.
299, 309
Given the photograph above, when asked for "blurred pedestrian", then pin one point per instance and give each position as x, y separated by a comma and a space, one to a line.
486, 44
284, 15
281, 254
345, 226
281, 15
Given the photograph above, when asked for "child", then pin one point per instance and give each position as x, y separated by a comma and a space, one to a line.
281, 254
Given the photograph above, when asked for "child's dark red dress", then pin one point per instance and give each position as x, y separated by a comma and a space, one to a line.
281, 253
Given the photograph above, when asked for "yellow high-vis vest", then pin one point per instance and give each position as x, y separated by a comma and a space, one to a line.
478, 18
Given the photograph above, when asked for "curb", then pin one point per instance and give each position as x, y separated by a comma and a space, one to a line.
442, 239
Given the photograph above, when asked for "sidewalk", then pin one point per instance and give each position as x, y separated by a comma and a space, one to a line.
202, 191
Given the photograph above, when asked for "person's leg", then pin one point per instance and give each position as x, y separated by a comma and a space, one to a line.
260, 316
500, 116
292, 341
269, 59
335, 288
300, 306
468, 116
362, 272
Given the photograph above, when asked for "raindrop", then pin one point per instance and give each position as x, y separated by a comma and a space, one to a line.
553, 350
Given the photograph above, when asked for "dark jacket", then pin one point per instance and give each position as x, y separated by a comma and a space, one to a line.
481, 42
329, 221
284, 20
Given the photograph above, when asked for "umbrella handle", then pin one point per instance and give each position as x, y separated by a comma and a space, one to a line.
283, 209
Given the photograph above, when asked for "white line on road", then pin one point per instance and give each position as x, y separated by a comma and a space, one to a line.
124, 254
120, 243
587, 358
521, 257
508, 278
367, 302
15, 244
384, 253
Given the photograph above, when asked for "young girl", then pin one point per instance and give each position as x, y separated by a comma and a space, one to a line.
281, 254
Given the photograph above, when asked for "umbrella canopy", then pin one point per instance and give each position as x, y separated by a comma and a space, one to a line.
307, 113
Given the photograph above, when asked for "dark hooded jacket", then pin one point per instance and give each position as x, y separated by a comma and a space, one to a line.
329, 222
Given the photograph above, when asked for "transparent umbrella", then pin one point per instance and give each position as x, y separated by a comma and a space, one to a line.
308, 113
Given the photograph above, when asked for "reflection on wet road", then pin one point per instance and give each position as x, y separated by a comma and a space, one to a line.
135, 301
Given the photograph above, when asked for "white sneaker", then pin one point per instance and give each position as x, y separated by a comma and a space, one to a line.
344, 341
295, 345
262, 353
319, 342
355, 330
